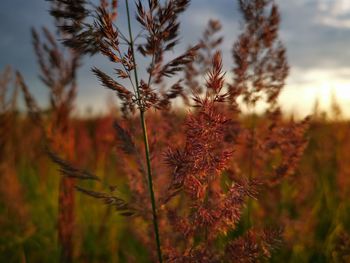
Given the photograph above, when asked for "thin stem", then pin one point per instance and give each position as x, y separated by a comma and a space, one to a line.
145, 141
150, 185
251, 162
127, 72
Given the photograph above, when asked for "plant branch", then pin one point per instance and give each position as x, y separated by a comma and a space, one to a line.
145, 139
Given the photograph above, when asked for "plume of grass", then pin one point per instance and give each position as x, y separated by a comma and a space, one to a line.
102, 36
211, 210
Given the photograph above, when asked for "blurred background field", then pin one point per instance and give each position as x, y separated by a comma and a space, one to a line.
313, 204
303, 194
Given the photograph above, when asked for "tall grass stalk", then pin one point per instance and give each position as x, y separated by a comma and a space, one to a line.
145, 139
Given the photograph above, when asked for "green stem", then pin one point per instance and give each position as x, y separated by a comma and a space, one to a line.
145, 141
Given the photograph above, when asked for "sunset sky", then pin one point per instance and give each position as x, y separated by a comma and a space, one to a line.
316, 34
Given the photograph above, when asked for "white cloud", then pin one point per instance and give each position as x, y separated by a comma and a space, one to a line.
306, 87
333, 13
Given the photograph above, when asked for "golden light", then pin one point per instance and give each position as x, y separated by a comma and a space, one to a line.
305, 88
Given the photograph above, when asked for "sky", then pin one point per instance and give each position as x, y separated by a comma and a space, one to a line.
315, 32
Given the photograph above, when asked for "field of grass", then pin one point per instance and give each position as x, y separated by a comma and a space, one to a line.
212, 180
312, 206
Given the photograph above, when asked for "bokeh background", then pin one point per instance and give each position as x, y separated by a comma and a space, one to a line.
312, 205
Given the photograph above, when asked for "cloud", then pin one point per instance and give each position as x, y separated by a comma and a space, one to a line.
315, 32
333, 13
305, 87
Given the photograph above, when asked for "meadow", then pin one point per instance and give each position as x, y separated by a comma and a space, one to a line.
214, 180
